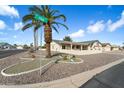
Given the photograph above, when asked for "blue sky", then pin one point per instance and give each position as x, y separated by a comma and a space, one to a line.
103, 23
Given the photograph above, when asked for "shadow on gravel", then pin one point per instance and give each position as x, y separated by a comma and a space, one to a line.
57, 54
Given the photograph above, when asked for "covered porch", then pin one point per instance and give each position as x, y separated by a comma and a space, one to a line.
73, 47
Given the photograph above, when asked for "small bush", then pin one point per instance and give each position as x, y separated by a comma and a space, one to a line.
31, 50
56, 62
65, 58
33, 56
73, 57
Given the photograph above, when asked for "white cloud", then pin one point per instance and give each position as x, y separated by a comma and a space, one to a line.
112, 26
18, 26
96, 27
77, 34
6, 10
2, 25
14, 36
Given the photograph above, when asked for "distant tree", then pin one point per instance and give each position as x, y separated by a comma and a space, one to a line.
67, 38
25, 46
31, 45
44, 46
123, 46
15, 45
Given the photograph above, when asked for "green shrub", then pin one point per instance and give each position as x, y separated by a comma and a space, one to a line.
31, 50
73, 57
33, 56
65, 58
56, 62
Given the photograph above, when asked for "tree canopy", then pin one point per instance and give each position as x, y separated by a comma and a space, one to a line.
67, 38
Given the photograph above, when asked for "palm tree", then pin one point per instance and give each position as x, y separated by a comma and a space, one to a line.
29, 22
52, 16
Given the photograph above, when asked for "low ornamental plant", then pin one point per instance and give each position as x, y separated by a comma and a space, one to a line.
33, 56
65, 58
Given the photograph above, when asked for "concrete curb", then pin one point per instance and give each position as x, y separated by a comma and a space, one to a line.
82, 61
73, 81
42, 69
29, 59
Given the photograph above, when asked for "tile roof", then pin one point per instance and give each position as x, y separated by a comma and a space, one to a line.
90, 42
4, 44
77, 43
104, 44
66, 42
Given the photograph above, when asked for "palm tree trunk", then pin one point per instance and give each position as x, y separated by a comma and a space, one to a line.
48, 50
48, 39
35, 40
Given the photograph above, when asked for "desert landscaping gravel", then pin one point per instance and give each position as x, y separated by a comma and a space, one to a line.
57, 71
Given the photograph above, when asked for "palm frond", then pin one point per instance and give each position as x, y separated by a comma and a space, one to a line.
61, 25
37, 27
43, 10
51, 15
60, 16
27, 26
53, 12
35, 9
54, 23
55, 29
27, 18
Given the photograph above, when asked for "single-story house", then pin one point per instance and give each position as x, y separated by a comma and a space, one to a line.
106, 46
115, 48
19, 47
4, 45
79, 48
92, 45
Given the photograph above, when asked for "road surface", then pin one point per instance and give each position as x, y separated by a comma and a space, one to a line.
6, 53
110, 78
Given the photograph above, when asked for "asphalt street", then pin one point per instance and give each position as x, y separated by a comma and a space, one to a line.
110, 78
6, 53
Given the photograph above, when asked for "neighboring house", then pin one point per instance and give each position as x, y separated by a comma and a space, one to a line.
106, 46
92, 45
79, 48
115, 48
4, 45
121, 48
19, 47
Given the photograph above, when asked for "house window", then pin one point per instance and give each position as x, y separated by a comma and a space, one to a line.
63, 46
77, 47
73, 47
84, 47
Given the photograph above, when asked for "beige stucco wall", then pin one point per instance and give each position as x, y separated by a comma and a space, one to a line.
94, 46
107, 48
19, 47
82, 52
115, 48
55, 46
